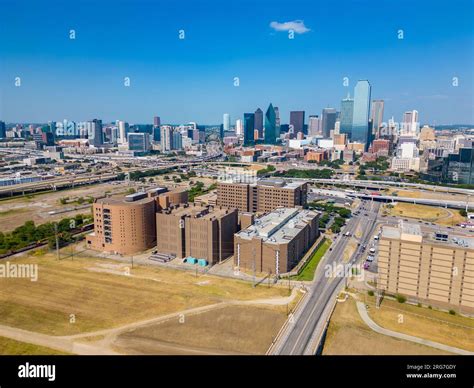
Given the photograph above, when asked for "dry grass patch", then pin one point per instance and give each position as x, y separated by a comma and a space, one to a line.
227, 330
101, 300
11, 347
349, 335
437, 326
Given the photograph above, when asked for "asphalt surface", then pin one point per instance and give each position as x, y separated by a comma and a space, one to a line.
297, 339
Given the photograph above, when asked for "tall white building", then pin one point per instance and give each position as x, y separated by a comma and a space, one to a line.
239, 127
314, 126
410, 124
226, 121
166, 137
122, 131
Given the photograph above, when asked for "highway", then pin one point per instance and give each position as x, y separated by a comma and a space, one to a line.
388, 184
299, 337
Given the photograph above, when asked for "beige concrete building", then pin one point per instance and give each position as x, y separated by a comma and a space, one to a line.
432, 268
202, 232
263, 196
277, 241
125, 225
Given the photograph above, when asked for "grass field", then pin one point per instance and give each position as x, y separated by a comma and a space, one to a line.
307, 272
12, 347
438, 326
228, 330
100, 296
349, 335
16, 211
426, 213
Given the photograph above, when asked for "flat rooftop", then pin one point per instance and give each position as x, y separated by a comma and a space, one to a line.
407, 231
197, 211
121, 200
279, 226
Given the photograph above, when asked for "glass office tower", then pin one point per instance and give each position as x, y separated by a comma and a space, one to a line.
271, 129
249, 127
347, 111
360, 119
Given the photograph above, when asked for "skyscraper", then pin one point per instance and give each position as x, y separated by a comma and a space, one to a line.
271, 130
156, 129
360, 120
123, 129
3, 130
94, 132
239, 127
259, 122
347, 111
166, 137
410, 124
328, 121
377, 115
226, 122
249, 127
297, 121
277, 114
314, 126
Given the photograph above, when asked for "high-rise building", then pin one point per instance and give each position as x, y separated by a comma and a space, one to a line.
328, 121
156, 121
200, 232
297, 121
226, 121
377, 116
347, 112
156, 132
277, 118
277, 241
360, 121
410, 124
271, 130
429, 267
249, 128
3, 130
263, 196
125, 226
239, 127
259, 122
95, 133
177, 141
314, 126
123, 129
166, 137
139, 142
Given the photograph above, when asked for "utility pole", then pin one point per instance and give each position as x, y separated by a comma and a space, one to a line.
254, 268
57, 239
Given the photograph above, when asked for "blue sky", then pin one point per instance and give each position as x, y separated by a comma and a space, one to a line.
193, 79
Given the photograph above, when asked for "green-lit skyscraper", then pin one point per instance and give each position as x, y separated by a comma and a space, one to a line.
272, 132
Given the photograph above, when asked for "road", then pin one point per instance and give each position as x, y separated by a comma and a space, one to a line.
299, 336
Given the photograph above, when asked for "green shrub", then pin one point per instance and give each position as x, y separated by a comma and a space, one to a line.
401, 299
452, 312
370, 293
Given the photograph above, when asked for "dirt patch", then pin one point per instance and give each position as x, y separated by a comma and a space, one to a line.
227, 330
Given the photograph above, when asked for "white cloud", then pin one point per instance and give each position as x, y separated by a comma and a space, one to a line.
296, 25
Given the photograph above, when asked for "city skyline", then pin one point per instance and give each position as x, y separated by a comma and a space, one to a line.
194, 78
